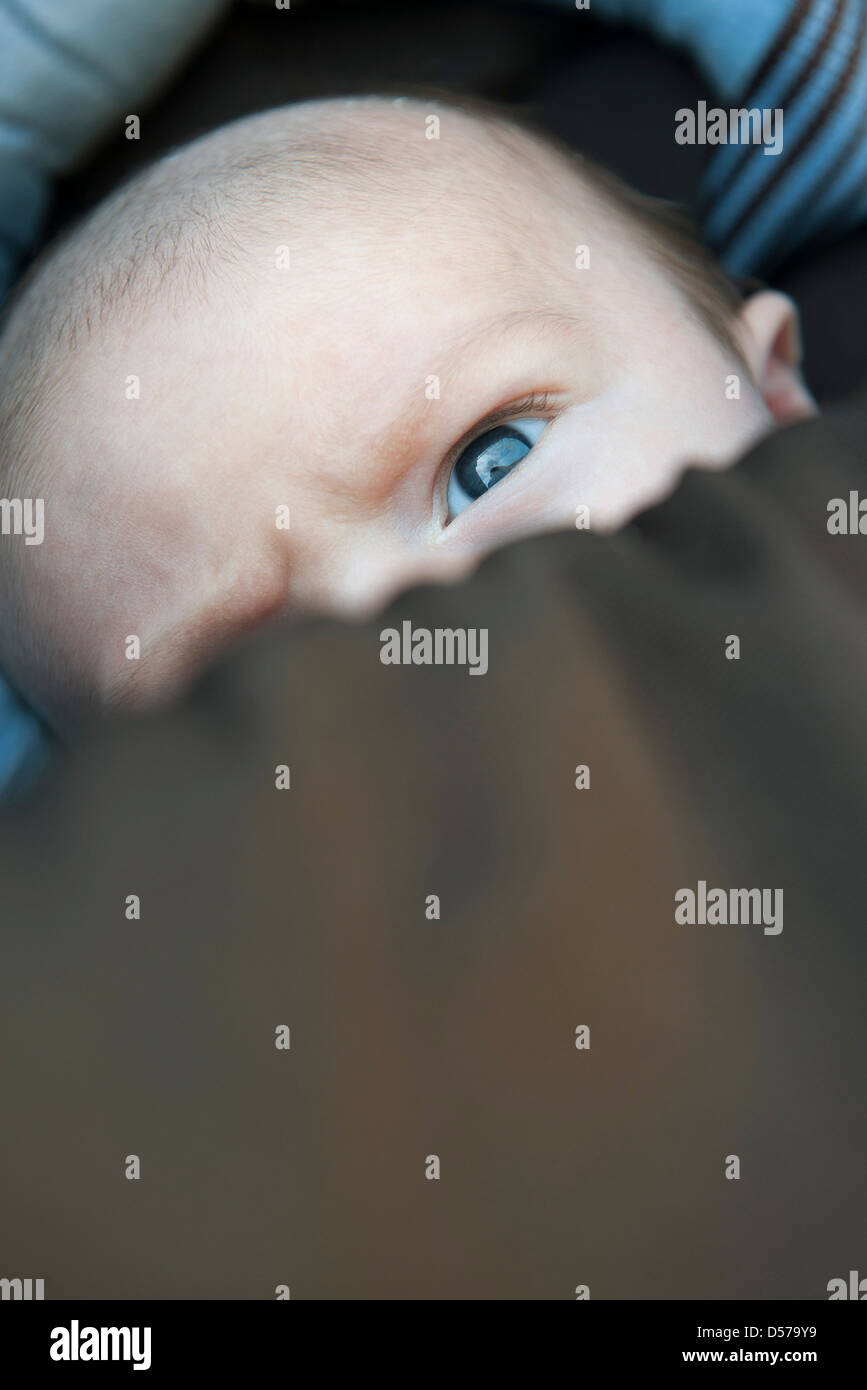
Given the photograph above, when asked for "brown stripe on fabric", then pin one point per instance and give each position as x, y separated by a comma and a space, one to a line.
783, 40
788, 159
788, 35
796, 82
813, 195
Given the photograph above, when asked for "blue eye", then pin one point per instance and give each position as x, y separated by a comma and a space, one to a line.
486, 461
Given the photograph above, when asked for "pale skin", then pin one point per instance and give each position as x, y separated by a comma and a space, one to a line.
346, 385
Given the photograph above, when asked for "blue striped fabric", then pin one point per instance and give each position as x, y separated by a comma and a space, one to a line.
807, 58
774, 205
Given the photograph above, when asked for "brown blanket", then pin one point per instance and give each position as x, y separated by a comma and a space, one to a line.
415, 1035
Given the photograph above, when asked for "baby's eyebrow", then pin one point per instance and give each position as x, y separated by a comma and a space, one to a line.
403, 433
500, 323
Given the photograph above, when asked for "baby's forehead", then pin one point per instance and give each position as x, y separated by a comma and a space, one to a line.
389, 173
438, 225
481, 171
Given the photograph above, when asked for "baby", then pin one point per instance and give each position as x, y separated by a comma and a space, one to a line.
334, 350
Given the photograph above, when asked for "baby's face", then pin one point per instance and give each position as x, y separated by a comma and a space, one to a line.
372, 387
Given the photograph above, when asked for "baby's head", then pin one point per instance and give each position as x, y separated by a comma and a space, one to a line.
336, 349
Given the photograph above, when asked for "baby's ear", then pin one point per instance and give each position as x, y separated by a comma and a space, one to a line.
769, 332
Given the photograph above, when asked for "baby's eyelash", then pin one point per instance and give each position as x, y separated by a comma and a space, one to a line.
535, 403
